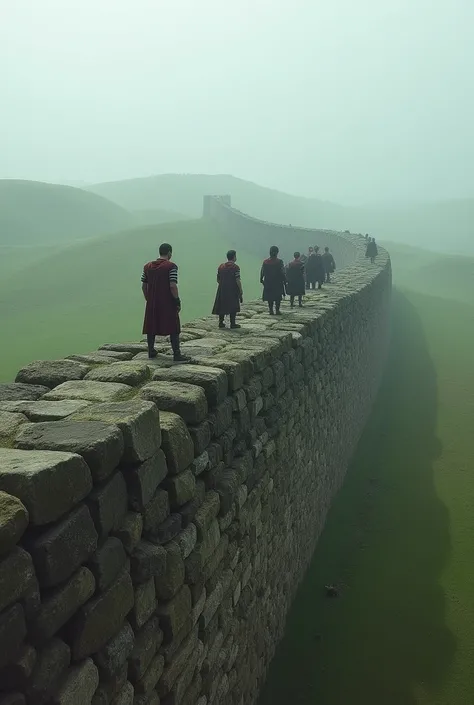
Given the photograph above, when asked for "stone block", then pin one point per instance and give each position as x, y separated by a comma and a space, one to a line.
186, 540
132, 347
221, 418
177, 665
151, 676
101, 445
51, 373
125, 697
150, 699
30, 475
12, 633
142, 480
13, 699
116, 651
61, 549
131, 373
167, 584
212, 380
180, 488
139, 422
174, 613
44, 410
107, 562
185, 400
147, 561
90, 391
13, 521
51, 662
156, 512
108, 504
61, 604
167, 530
130, 531
176, 442
14, 391
147, 642
100, 618
201, 463
184, 679
206, 513
17, 674
201, 436
226, 486
144, 604
78, 685
210, 608
10, 425
239, 401
188, 510
234, 370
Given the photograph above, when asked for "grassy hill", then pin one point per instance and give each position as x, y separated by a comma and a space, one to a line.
444, 226
151, 216
37, 213
80, 296
399, 541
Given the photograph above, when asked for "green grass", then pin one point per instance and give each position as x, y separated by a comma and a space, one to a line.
400, 535
87, 294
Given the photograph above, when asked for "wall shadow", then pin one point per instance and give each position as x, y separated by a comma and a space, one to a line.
384, 640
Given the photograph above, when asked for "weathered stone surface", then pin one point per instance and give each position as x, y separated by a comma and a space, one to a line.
44, 410
98, 620
13, 521
186, 400
234, 370
142, 480
147, 561
30, 475
108, 504
174, 613
107, 562
149, 699
139, 422
17, 392
61, 604
206, 513
12, 633
78, 685
131, 373
178, 664
13, 699
151, 676
51, 373
90, 391
125, 697
147, 642
180, 488
167, 530
186, 540
211, 379
168, 583
144, 604
10, 425
116, 651
52, 661
124, 347
156, 512
16, 675
176, 442
201, 436
130, 531
110, 688
201, 463
101, 445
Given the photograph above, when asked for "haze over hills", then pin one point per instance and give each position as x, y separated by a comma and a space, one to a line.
37, 213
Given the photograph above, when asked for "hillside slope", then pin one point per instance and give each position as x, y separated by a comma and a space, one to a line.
37, 213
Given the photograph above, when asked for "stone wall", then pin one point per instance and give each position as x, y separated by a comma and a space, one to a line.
155, 520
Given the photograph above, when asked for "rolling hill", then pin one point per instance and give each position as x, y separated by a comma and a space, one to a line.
37, 213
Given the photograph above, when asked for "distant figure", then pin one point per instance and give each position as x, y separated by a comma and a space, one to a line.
229, 291
367, 236
315, 272
372, 250
272, 276
305, 259
295, 280
329, 263
160, 289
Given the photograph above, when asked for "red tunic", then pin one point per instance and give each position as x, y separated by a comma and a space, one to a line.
161, 314
228, 294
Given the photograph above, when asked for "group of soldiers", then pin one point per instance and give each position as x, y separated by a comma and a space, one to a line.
163, 305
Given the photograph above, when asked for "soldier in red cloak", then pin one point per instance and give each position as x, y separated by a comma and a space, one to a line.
160, 289
229, 294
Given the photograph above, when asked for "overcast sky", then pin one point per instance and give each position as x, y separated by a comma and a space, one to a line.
347, 100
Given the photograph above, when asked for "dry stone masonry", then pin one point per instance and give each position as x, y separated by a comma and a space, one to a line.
156, 520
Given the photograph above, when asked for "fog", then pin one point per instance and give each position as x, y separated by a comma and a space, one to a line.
353, 102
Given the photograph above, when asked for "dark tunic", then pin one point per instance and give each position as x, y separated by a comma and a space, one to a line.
295, 278
228, 295
329, 262
315, 271
372, 250
272, 276
161, 314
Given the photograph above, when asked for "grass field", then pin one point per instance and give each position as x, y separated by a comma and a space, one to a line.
83, 295
400, 537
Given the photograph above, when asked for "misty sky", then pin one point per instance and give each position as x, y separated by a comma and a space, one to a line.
347, 100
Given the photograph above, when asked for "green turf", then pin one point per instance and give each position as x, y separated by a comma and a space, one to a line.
400, 536
87, 294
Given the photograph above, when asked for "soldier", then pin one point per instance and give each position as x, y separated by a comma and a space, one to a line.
372, 250
272, 276
329, 263
295, 280
160, 289
229, 291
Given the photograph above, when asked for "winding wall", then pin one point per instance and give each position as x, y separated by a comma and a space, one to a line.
155, 520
